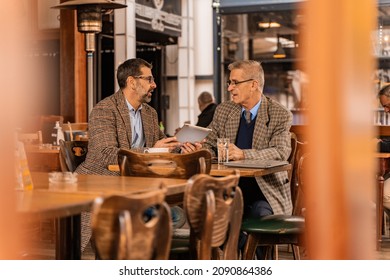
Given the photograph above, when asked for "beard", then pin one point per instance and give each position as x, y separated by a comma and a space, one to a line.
146, 98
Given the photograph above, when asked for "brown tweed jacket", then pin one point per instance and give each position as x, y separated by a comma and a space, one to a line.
271, 140
109, 130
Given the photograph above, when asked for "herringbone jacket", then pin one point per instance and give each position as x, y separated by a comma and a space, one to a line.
109, 130
271, 140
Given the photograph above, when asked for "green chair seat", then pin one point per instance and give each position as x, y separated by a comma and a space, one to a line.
274, 224
180, 241
180, 246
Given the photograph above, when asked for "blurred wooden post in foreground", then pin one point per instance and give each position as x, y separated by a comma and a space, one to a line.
336, 47
15, 86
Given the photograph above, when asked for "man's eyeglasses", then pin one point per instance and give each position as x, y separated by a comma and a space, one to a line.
234, 83
150, 79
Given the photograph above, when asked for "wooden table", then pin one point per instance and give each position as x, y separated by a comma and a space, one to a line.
107, 185
222, 170
382, 175
65, 202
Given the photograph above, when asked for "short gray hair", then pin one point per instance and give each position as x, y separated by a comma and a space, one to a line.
253, 70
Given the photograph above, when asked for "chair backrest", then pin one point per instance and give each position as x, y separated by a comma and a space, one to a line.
302, 169
75, 131
214, 209
46, 125
31, 138
167, 165
72, 154
300, 150
135, 227
291, 158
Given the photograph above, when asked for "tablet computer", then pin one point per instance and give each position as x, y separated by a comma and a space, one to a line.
192, 133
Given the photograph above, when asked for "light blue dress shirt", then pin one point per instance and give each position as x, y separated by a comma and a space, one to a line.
137, 132
253, 110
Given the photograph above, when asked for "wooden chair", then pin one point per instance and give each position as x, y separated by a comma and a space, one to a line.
166, 165
75, 131
296, 186
31, 138
277, 229
214, 209
46, 125
136, 227
269, 224
72, 154
292, 157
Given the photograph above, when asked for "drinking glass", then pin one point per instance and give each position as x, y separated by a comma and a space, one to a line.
223, 150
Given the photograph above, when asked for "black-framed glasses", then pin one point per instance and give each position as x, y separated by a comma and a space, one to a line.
150, 79
234, 83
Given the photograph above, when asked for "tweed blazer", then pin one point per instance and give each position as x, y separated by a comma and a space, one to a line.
109, 129
271, 140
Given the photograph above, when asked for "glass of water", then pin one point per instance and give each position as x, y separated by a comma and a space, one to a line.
223, 150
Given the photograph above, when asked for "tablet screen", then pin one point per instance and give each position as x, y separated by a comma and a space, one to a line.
192, 133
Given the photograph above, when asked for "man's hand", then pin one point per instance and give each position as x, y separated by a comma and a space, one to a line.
188, 147
170, 142
235, 153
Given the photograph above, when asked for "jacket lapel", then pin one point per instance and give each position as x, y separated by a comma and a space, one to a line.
147, 121
262, 120
124, 113
233, 123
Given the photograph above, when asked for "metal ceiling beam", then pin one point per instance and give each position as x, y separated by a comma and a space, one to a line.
250, 6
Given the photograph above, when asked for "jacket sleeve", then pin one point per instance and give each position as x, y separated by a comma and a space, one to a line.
103, 136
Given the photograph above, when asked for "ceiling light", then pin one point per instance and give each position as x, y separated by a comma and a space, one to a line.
279, 51
269, 24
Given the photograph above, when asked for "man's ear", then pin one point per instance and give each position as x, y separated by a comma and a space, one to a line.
255, 85
130, 82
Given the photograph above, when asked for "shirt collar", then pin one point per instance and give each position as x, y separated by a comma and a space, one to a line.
254, 109
131, 108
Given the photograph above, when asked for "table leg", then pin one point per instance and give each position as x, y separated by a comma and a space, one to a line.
379, 211
68, 238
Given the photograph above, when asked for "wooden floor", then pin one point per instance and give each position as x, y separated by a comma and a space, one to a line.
44, 250
43, 246
384, 253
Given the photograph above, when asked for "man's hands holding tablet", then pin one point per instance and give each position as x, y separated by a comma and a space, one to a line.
191, 137
192, 133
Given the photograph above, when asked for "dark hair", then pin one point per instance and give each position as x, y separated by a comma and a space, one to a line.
131, 67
